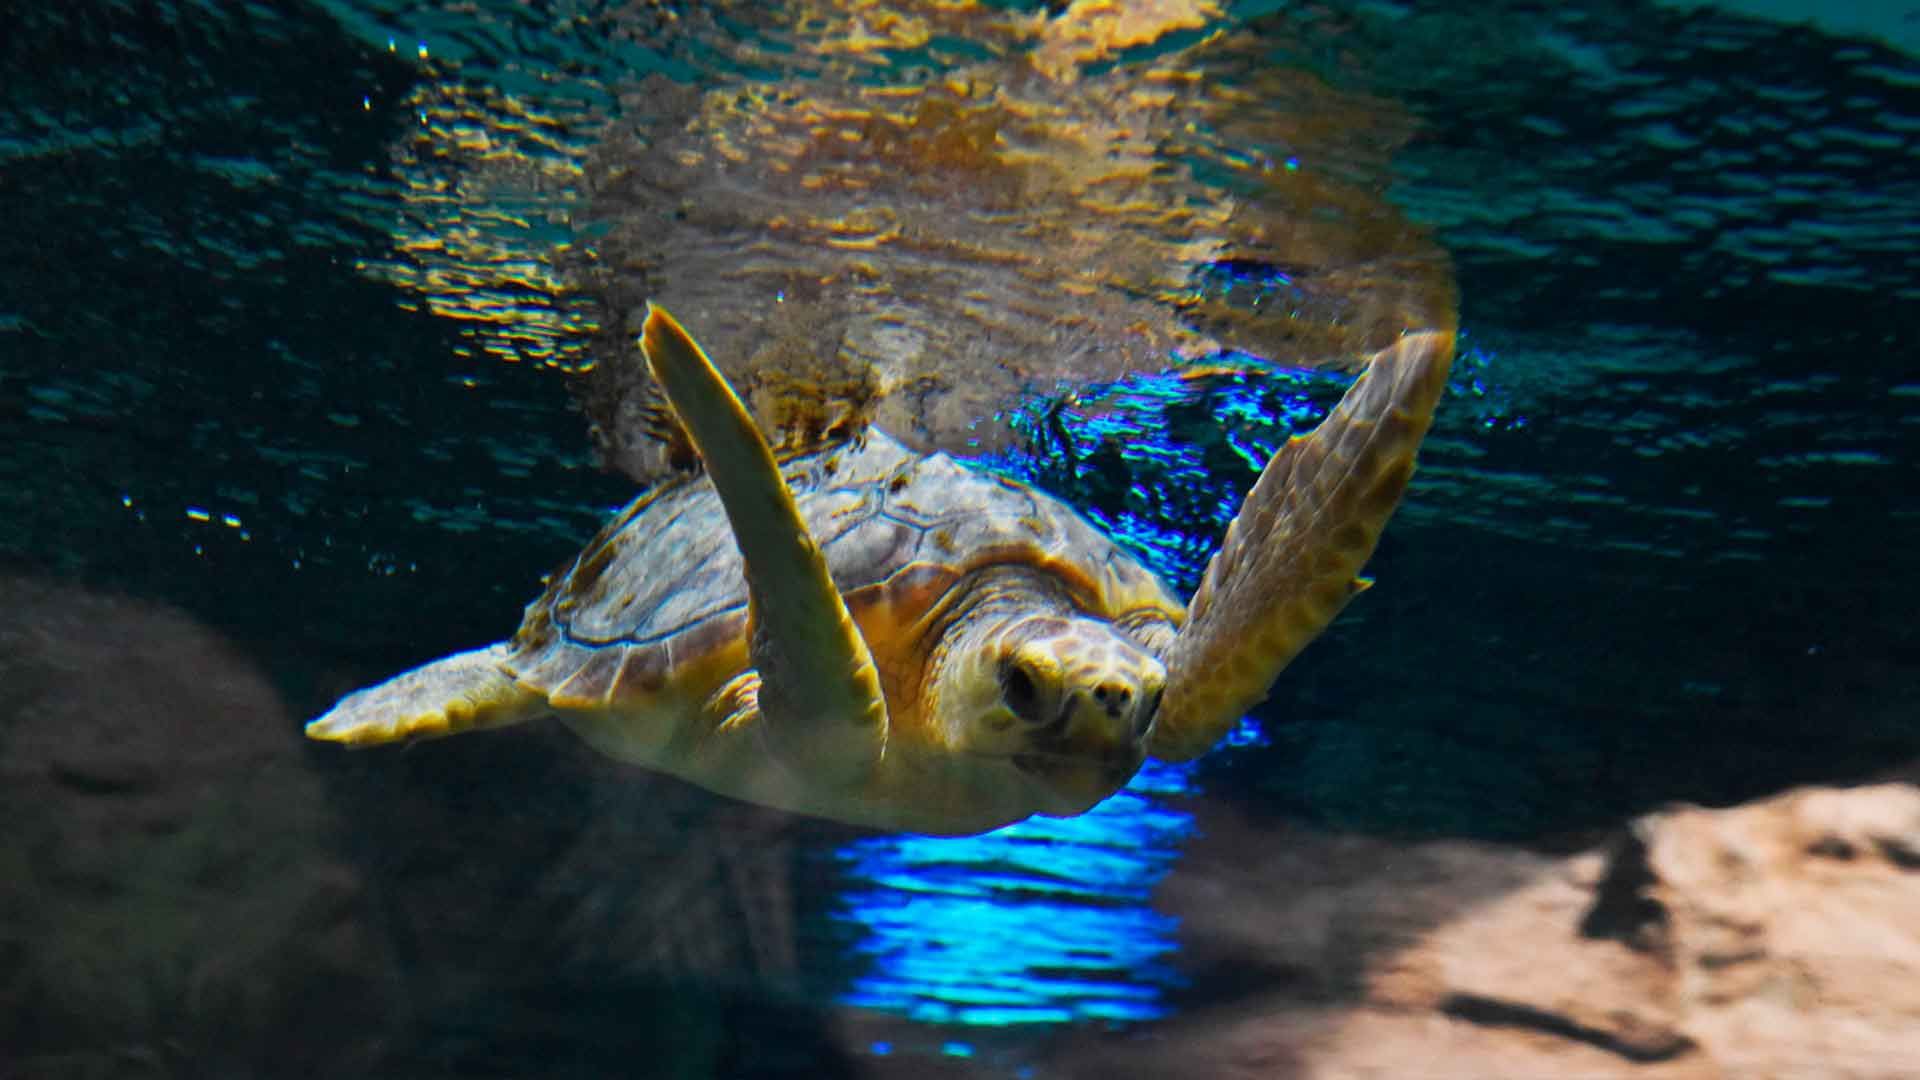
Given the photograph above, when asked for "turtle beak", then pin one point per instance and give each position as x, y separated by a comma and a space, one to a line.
1073, 784
1093, 747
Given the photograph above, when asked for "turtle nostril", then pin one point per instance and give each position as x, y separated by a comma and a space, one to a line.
1113, 697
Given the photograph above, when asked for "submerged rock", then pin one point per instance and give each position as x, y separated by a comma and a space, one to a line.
167, 903
1778, 938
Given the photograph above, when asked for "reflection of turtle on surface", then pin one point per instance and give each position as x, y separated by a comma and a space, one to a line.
891, 639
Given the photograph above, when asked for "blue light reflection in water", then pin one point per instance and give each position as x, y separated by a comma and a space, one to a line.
1045, 921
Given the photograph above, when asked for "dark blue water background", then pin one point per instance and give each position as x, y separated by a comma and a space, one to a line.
269, 355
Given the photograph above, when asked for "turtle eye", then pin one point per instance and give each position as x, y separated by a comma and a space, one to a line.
1019, 690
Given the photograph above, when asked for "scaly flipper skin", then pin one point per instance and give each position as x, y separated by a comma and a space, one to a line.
819, 696
467, 691
1292, 556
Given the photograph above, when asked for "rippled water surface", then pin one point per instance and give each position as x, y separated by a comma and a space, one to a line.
287, 337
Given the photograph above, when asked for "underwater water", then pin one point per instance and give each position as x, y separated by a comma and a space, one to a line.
283, 391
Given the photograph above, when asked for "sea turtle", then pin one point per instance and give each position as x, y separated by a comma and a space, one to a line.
892, 639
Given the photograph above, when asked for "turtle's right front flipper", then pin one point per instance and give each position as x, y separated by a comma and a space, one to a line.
1292, 556
464, 692
820, 694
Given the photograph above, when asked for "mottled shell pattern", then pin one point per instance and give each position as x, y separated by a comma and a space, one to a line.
657, 603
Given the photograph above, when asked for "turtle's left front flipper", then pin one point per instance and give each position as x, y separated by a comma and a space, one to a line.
819, 696
1292, 556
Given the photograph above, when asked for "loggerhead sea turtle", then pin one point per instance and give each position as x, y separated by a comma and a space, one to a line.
891, 639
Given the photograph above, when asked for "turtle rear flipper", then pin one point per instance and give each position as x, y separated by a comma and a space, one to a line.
464, 692
1291, 558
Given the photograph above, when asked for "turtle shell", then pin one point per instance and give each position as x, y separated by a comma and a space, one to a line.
657, 602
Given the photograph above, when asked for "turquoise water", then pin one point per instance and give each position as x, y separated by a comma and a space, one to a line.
284, 352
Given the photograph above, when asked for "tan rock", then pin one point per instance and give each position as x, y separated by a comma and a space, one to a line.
1777, 939
1795, 929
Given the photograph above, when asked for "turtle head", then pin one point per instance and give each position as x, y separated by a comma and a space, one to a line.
1066, 703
